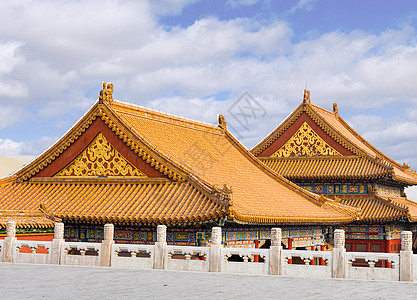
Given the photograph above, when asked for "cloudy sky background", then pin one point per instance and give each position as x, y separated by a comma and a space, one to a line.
196, 58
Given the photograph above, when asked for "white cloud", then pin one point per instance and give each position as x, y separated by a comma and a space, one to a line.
239, 3
303, 5
169, 7
8, 61
54, 55
9, 147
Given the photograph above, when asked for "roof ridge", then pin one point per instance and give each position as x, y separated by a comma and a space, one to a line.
172, 118
356, 134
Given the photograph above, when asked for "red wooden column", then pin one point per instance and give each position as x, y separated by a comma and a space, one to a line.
321, 259
256, 257
312, 262
290, 248
388, 250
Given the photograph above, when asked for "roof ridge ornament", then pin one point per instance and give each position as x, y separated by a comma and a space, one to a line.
222, 122
406, 166
306, 98
106, 94
335, 109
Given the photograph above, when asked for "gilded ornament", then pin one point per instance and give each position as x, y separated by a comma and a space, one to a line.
305, 142
100, 159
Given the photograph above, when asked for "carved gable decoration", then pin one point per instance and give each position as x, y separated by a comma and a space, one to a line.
305, 142
100, 159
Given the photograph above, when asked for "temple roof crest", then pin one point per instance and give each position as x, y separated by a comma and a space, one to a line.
106, 94
306, 96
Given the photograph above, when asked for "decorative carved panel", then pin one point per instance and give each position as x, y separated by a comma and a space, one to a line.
100, 159
305, 142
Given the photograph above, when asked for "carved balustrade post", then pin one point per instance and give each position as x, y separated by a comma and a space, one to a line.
106, 245
8, 252
406, 256
215, 259
275, 252
55, 252
339, 254
160, 251
215, 249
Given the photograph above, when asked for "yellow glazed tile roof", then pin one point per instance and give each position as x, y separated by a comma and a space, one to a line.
215, 157
130, 202
335, 167
210, 175
26, 219
400, 173
376, 208
333, 125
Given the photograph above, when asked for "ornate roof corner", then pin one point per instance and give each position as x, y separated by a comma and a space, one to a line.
223, 194
322, 200
106, 94
222, 122
405, 166
306, 98
47, 214
335, 109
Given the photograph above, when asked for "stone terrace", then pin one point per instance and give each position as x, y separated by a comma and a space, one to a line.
21, 281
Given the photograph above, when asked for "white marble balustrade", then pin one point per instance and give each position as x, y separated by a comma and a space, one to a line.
371, 272
248, 265
306, 270
70, 256
337, 263
188, 258
136, 256
34, 257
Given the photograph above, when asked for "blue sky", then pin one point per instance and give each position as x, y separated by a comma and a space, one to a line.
196, 58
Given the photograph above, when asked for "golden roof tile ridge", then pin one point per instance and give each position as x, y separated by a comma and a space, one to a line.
379, 156
162, 116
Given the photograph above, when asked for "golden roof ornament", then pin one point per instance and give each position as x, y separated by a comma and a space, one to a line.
106, 94
306, 96
335, 109
222, 122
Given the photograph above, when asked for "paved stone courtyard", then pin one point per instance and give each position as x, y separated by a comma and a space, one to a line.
62, 282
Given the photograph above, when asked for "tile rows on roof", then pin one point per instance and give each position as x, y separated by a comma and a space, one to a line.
375, 208
342, 133
26, 219
215, 157
326, 167
114, 202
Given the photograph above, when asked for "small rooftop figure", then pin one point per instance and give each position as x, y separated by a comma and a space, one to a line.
335, 109
222, 122
306, 96
106, 94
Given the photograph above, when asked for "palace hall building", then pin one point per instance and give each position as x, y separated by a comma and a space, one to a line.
316, 149
138, 168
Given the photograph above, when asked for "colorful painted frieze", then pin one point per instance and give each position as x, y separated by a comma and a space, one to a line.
388, 191
348, 188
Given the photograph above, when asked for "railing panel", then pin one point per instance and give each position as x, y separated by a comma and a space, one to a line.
248, 265
128, 256
81, 254
370, 272
34, 257
306, 270
188, 258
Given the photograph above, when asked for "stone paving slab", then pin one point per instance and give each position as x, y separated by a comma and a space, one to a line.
20, 281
